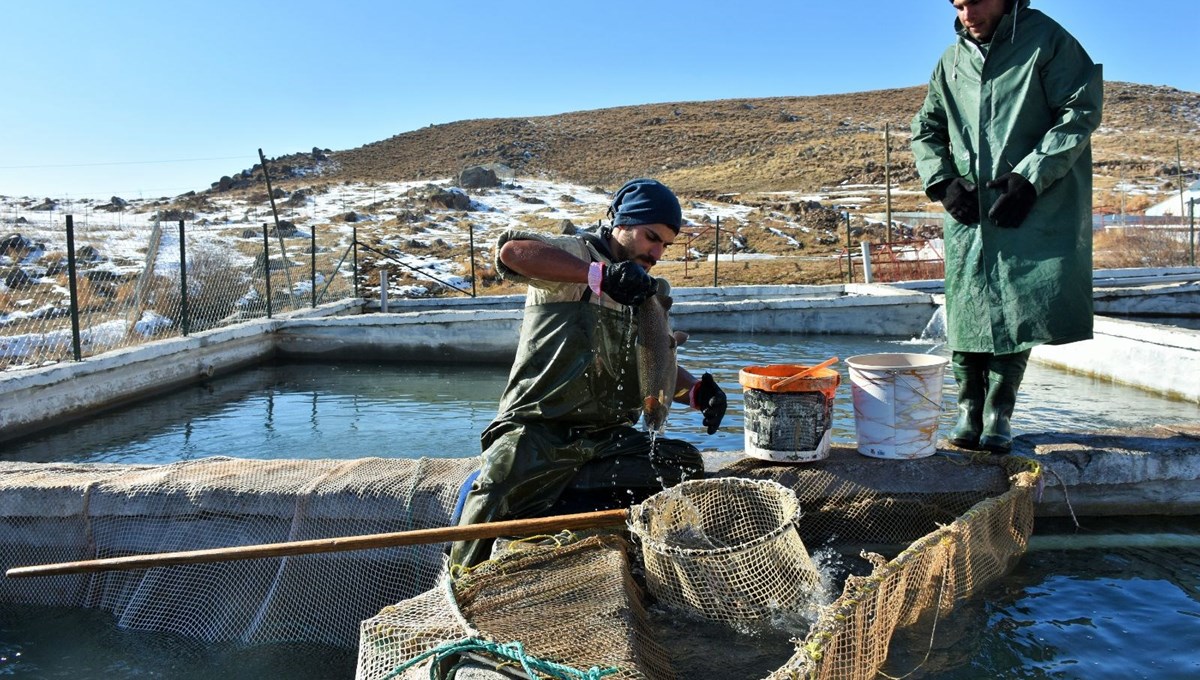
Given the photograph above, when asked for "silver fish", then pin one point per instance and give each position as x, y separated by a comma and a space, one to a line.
656, 358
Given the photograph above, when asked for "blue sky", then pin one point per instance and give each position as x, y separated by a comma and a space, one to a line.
142, 99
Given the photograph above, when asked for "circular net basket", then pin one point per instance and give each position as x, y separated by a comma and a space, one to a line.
726, 548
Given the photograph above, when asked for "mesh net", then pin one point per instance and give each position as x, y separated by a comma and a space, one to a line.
555, 606
57, 513
725, 548
942, 547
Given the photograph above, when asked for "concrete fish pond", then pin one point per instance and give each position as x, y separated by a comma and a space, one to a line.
936, 530
69, 512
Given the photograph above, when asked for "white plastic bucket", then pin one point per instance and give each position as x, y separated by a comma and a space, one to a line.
897, 403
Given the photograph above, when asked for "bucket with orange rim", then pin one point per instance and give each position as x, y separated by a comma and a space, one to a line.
788, 411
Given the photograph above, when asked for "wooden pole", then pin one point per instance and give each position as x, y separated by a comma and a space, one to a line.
518, 527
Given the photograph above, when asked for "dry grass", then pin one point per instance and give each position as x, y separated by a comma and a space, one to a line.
738, 149
1121, 248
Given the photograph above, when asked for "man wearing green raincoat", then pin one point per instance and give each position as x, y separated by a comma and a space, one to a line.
1003, 141
566, 419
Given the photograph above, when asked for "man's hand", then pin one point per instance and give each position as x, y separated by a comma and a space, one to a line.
960, 198
627, 283
707, 397
1013, 206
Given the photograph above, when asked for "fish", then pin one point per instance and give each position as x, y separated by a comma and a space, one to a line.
656, 345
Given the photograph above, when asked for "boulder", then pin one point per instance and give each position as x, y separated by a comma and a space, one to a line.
478, 177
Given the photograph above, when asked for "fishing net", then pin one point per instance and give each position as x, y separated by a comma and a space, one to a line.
573, 607
725, 548
62, 513
907, 551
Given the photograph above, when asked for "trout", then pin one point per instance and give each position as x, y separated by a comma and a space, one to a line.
656, 358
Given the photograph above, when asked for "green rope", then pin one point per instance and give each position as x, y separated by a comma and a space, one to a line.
513, 651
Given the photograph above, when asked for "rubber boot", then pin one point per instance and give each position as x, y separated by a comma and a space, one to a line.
1004, 379
971, 374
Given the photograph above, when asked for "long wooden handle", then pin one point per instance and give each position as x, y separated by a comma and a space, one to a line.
517, 527
803, 374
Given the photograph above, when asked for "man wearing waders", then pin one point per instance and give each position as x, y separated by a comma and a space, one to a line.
1003, 141
566, 419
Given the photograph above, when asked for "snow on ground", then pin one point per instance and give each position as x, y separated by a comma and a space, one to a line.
125, 232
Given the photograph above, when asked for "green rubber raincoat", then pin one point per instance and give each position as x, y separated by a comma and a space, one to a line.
566, 418
1027, 102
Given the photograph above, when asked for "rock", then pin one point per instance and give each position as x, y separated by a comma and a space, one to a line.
15, 245
567, 227
478, 177
454, 200
18, 278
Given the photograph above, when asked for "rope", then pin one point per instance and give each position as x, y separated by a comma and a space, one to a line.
513, 651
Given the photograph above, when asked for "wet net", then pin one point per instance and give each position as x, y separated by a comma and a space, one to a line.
570, 605
575, 608
725, 548
63, 513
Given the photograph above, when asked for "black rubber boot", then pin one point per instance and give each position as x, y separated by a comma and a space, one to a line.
971, 374
1005, 372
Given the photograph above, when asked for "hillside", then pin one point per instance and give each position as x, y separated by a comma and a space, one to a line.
800, 144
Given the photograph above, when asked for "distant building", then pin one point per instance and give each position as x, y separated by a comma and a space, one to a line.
1171, 205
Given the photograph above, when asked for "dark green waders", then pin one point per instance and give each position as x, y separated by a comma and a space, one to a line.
566, 420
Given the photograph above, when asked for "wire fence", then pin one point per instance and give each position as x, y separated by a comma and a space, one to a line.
76, 290
73, 289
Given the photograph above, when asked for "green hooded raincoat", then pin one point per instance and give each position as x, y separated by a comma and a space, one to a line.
1027, 102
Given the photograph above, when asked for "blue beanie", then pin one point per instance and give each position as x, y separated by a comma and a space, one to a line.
645, 201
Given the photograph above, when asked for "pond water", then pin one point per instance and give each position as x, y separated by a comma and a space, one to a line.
410, 410
1062, 614
1095, 613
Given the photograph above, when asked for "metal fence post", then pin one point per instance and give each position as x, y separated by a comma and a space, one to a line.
267, 266
717, 251
183, 287
866, 253
75, 343
354, 235
849, 255
1192, 232
471, 238
313, 274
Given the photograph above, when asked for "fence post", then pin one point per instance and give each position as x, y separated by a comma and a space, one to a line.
383, 287
267, 266
866, 253
471, 241
313, 276
183, 287
354, 235
1192, 231
849, 255
716, 251
75, 344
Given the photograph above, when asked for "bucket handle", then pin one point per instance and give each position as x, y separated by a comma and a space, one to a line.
803, 374
910, 387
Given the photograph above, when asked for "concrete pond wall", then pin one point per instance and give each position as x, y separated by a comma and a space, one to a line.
1156, 358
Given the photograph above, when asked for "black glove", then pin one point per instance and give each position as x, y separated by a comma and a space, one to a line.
708, 397
627, 283
960, 198
1013, 206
